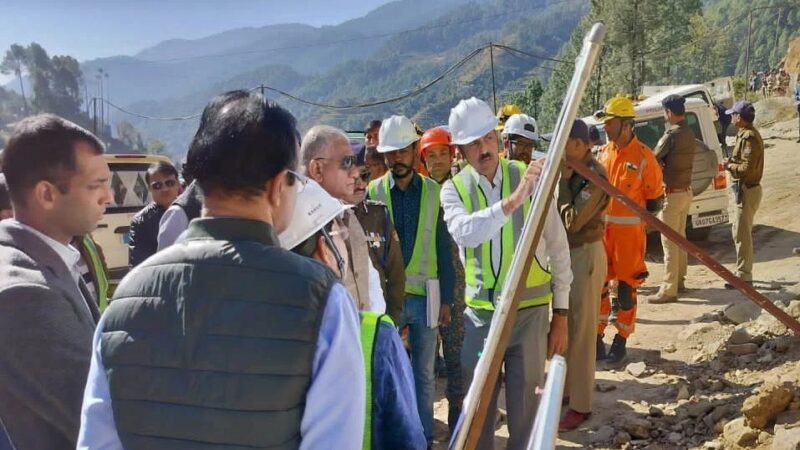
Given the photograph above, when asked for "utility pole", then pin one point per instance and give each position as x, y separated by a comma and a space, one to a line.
494, 88
747, 54
94, 115
108, 99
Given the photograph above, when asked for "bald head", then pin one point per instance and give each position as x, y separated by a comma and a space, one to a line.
318, 141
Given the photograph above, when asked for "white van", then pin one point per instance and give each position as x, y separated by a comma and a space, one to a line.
709, 183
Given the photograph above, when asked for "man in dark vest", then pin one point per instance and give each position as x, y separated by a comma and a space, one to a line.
226, 340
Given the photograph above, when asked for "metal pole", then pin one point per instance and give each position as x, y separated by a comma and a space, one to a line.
687, 246
94, 115
470, 424
545, 427
747, 54
494, 88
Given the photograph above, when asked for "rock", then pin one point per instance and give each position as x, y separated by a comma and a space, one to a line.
794, 309
740, 336
713, 445
636, 369
717, 386
604, 387
782, 344
719, 427
675, 438
762, 408
699, 409
637, 427
767, 324
737, 433
656, 412
696, 329
788, 419
683, 393
786, 439
622, 438
722, 412
603, 434
764, 437
742, 349
766, 359
670, 348
744, 360
742, 312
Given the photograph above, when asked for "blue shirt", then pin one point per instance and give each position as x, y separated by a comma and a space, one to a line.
334, 411
395, 419
405, 213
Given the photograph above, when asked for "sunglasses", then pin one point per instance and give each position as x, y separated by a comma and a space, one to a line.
364, 176
158, 185
345, 163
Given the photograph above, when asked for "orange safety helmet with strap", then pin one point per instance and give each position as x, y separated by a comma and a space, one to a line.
435, 136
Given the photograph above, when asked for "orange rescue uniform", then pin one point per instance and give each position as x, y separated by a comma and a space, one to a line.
635, 171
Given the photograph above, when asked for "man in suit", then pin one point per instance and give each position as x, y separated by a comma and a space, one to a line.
58, 184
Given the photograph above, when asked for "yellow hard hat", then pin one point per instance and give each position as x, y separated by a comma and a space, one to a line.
506, 111
617, 106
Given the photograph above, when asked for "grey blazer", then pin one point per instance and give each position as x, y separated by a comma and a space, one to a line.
46, 333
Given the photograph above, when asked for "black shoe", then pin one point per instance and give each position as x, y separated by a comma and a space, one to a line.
617, 352
453, 414
601, 349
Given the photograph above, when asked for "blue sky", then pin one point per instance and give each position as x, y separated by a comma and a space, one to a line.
89, 29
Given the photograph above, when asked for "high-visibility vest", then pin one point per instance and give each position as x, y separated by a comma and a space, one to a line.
99, 271
479, 273
423, 265
370, 321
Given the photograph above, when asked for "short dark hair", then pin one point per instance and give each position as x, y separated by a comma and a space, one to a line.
42, 148
371, 154
5, 202
162, 167
243, 141
372, 125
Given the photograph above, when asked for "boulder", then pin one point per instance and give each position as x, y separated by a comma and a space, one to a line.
762, 408
683, 393
636, 369
740, 336
675, 438
737, 433
788, 419
637, 427
621, 439
742, 349
742, 312
603, 434
698, 409
786, 439
794, 309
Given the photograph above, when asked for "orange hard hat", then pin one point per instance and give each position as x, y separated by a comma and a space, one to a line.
435, 136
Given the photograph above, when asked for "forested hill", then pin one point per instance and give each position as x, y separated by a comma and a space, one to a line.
401, 64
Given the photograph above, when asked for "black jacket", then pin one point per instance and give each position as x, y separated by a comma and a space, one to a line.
143, 241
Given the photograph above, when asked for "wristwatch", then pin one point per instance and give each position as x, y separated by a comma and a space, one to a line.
560, 312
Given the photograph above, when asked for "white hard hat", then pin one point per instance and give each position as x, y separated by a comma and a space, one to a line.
313, 209
522, 125
396, 133
470, 120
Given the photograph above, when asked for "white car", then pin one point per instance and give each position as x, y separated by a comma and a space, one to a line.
709, 183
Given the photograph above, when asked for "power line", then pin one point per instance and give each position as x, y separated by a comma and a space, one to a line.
144, 116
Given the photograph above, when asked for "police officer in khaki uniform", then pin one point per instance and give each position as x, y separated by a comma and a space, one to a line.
384, 245
581, 206
675, 151
746, 167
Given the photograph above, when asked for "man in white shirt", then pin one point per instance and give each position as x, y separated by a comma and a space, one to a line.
485, 207
59, 186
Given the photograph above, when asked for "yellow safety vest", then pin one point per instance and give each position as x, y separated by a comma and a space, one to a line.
423, 264
99, 272
482, 283
370, 321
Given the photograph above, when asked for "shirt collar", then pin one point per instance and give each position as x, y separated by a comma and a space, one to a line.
69, 254
416, 181
498, 175
231, 229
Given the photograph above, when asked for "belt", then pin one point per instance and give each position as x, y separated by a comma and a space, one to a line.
671, 190
748, 186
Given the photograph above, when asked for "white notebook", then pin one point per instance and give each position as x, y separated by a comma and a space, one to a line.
434, 301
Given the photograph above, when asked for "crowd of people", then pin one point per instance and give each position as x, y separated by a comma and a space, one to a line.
774, 82
271, 278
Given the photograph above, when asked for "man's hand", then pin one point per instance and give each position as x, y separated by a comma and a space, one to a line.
525, 188
557, 338
444, 315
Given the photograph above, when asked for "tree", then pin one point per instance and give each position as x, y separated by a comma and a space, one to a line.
130, 136
156, 147
14, 62
529, 100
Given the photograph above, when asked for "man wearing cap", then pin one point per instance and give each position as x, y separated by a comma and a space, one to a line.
581, 205
675, 151
391, 419
485, 207
225, 339
413, 201
328, 159
438, 153
633, 169
746, 166
384, 245
504, 112
519, 136
6, 211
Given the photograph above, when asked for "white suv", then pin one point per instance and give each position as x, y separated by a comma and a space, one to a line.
709, 184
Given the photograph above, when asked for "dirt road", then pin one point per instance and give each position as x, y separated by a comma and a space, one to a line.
675, 359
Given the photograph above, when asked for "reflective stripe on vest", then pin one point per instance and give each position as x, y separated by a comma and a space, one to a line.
478, 269
369, 333
99, 272
622, 220
423, 264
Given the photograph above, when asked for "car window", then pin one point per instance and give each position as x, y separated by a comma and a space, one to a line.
650, 131
128, 187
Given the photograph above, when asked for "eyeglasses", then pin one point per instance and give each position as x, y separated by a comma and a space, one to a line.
158, 185
302, 180
522, 145
364, 175
345, 163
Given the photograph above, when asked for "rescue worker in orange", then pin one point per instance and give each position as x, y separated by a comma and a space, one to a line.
633, 169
